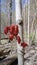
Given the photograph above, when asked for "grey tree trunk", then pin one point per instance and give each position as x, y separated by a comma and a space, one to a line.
19, 22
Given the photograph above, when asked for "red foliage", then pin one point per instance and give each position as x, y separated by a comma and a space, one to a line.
11, 37
18, 39
16, 30
24, 44
12, 27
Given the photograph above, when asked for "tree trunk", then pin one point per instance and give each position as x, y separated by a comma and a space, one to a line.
18, 22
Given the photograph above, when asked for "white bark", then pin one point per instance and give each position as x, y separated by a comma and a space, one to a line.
18, 20
20, 55
19, 48
18, 10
